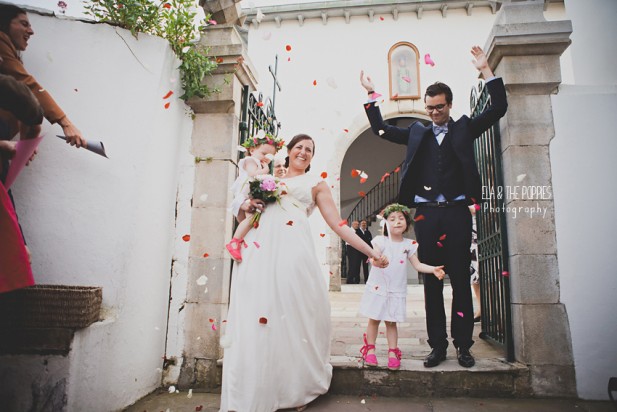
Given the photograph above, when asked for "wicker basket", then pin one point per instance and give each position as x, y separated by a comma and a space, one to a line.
51, 306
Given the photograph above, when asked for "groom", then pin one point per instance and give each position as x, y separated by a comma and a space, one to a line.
440, 179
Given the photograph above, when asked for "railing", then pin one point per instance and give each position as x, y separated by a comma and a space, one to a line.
256, 115
367, 208
492, 236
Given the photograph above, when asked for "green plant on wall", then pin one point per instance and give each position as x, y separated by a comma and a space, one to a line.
175, 20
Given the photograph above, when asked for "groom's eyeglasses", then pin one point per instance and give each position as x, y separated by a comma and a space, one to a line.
438, 107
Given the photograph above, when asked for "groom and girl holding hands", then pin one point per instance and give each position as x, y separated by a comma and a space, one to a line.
277, 336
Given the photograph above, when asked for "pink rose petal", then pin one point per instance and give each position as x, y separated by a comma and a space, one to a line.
460, 314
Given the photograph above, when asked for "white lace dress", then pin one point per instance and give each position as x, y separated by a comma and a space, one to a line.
278, 326
385, 294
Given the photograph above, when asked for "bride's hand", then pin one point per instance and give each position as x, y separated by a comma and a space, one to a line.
380, 261
253, 205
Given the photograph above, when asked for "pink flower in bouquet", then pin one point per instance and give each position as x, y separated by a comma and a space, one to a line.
268, 185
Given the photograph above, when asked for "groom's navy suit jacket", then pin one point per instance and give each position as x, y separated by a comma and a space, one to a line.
460, 174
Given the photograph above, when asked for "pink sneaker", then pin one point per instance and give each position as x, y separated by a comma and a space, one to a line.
234, 247
370, 360
394, 363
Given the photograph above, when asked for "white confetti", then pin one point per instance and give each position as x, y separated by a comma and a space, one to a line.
41, 90
363, 175
520, 178
225, 341
190, 394
381, 132
206, 290
362, 401
242, 149
199, 338
202, 280
172, 389
203, 197
427, 188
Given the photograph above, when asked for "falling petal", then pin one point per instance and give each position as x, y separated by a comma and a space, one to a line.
395, 96
212, 22
322, 234
206, 290
376, 287
290, 223
375, 96
413, 242
361, 193
439, 244
363, 175
257, 245
460, 314
190, 394
505, 273
407, 79
362, 180
167, 6
520, 178
355, 172
381, 132
442, 237
219, 60
398, 169
324, 175
342, 223
169, 93
402, 261
346, 130
263, 321
314, 82
476, 206
366, 106
202, 280
384, 177
172, 389
213, 326
363, 401
242, 149
427, 188
289, 59
418, 218
206, 255
225, 341
167, 105
260, 104
288, 47
199, 408
186, 238
428, 60
266, 35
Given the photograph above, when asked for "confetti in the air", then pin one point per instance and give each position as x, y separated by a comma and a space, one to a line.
439, 244
169, 93
381, 132
257, 245
460, 314
263, 321
442, 237
212, 22
398, 169
206, 255
520, 178
355, 172
288, 47
406, 79
202, 280
314, 82
186, 238
172, 389
290, 223
324, 175
260, 104
505, 273
346, 130
219, 60
384, 177
428, 60
322, 234
427, 188
167, 105
190, 394
361, 193
418, 218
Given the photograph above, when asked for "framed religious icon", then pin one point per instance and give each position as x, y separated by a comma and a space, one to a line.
404, 71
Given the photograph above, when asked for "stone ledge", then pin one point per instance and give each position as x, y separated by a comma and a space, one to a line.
39, 341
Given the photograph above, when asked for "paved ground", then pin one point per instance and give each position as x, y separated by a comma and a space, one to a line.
208, 402
347, 330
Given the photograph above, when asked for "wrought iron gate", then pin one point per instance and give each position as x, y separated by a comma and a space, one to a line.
492, 237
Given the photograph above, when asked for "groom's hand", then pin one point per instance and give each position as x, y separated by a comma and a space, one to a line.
366, 82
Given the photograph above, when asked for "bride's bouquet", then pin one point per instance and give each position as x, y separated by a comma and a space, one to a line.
267, 188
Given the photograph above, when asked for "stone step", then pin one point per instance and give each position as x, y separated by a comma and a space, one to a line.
494, 378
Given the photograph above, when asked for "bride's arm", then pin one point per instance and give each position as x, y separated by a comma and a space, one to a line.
325, 203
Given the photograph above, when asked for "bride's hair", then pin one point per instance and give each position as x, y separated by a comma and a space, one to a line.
294, 141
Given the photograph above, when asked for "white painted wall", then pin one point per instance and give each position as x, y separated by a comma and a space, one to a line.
583, 166
337, 52
108, 222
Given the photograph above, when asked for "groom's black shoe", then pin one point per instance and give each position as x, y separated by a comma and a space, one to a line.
465, 359
436, 356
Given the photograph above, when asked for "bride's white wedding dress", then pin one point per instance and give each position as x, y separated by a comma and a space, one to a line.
277, 335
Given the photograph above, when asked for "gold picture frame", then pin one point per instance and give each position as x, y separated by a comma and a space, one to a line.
404, 71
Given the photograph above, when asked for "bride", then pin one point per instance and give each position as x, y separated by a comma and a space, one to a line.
277, 338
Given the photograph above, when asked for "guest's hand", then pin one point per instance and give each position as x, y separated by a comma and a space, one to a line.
439, 272
32, 157
366, 82
72, 133
8, 148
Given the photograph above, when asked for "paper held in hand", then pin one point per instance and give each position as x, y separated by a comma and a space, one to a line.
96, 147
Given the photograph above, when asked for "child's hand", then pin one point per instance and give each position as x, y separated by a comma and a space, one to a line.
380, 262
439, 272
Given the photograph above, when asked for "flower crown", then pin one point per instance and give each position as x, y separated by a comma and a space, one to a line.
263, 138
396, 207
